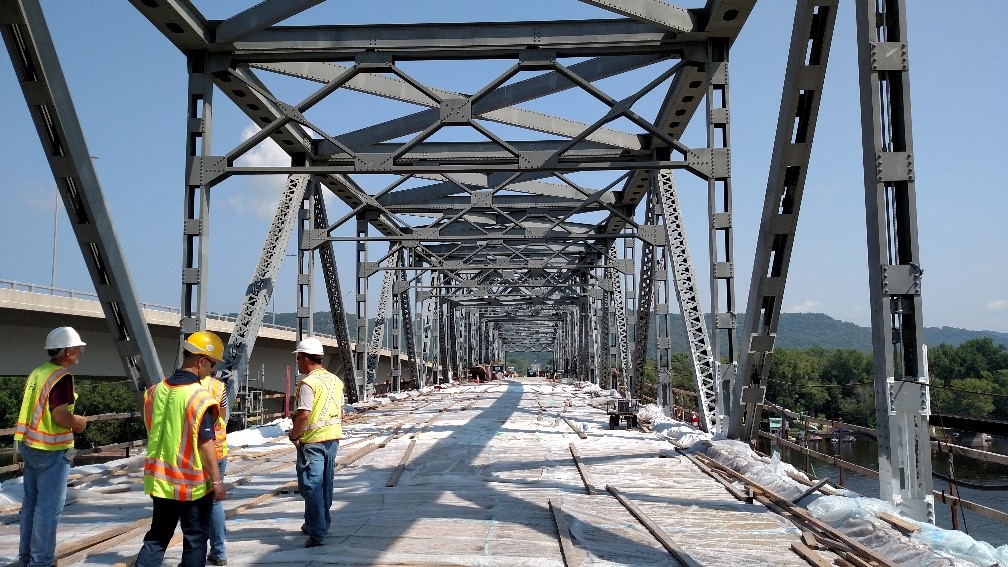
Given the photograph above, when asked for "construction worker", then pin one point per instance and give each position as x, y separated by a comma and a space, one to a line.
316, 431
218, 389
45, 430
180, 472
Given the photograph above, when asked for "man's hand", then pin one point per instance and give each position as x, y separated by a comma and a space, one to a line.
219, 490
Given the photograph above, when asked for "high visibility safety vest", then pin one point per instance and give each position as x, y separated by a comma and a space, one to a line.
173, 468
216, 389
35, 426
324, 422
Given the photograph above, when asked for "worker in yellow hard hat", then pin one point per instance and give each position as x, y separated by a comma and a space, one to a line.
181, 472
45, 431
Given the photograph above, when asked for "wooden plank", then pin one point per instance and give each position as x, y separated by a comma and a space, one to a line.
807, 554
583, 471
729, 486
810, 490
855, 560
567, 550
654, 528
800, 512
899, 523
402, 466
576, 429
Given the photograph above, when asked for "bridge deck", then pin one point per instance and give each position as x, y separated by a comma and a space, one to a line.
476, 490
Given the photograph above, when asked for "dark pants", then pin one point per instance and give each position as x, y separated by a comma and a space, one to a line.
195, 519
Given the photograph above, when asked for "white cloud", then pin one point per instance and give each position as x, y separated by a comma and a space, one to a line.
998, 305
804, 307
259, 194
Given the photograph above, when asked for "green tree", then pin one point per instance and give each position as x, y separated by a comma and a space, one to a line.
794, 380
972, 397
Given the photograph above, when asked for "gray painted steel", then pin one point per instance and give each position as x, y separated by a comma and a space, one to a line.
41, 79
811, 38
902, 396
507, 235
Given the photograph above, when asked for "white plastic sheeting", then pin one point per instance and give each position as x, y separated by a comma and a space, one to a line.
854, 515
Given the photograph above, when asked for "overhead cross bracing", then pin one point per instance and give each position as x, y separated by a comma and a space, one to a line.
499, 169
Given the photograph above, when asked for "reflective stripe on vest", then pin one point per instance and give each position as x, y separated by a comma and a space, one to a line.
216, 389
35, 426
173, 467
324, 422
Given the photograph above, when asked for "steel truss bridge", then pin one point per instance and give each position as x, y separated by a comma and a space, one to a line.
499, 226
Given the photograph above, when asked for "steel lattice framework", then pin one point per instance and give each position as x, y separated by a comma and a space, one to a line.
507, 217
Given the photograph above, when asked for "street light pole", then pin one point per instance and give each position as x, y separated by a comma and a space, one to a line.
52, 277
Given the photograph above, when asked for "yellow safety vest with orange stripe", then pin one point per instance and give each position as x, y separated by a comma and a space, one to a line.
35, 426
173, 468
324, 422
216, 389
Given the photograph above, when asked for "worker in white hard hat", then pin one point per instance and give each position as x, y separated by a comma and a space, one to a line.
316, 431
45, 430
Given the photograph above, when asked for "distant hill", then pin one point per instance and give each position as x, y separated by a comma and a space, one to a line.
795, 331
806, 330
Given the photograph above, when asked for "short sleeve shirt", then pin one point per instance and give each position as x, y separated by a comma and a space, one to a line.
62, 392
306, 397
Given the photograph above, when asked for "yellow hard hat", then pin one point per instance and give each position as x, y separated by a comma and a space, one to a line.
205, 343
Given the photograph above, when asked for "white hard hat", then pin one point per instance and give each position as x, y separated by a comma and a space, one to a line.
311, 345
63, 337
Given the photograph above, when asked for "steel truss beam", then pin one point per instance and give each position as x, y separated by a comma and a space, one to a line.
902, 395
260, 288
811, 38
327, 258
40, 76
687, 292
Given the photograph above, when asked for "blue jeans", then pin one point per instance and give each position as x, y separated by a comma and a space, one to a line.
195, 518
316, 465
45, 485
217, 529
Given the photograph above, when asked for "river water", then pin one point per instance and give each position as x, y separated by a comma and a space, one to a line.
864, 451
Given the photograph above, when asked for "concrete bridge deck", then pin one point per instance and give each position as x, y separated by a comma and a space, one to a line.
477, 474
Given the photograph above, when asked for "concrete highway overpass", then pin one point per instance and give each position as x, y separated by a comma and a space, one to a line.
28, 312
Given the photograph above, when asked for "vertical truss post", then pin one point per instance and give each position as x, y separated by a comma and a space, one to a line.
384, 296
406, 302
600, 329
306, 268
678, 256
630, 289
444, 326
585, 348
719, 208
804, 77
902, 401
38, 71
263, 282
604, 342
399, 289
620, 318
648, 234
327, 258
361, 284
196, 223
428, 307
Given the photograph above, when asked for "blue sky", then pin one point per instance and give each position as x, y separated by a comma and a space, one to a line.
129, 88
